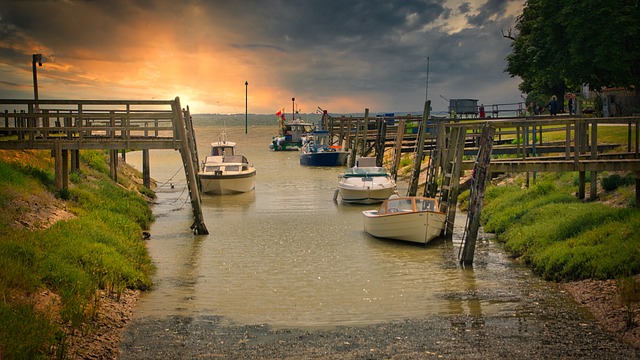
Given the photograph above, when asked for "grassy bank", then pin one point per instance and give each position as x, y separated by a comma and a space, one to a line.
561, 237
50, 270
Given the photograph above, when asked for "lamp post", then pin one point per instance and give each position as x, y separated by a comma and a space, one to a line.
246, 106
37, 58
293, 108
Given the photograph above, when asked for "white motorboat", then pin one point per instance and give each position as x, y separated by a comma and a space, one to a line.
365, 183
413, 218
224, 171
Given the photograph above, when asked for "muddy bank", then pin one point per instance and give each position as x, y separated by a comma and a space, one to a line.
543, 326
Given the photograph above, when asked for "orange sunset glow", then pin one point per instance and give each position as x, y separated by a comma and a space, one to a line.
344, 56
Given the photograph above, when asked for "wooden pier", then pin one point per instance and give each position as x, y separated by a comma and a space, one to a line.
445, 147
68, 126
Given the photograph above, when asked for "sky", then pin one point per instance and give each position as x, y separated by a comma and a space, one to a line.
344, 56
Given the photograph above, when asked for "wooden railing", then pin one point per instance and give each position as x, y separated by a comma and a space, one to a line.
126, 124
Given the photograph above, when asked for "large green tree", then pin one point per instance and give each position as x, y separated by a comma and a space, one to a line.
570, 43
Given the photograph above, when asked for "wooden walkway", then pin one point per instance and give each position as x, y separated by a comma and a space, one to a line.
67, 126
444, 148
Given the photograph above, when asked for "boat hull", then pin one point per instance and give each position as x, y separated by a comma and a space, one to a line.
325, 158
366, 194
279, 144
417, 227
227, 184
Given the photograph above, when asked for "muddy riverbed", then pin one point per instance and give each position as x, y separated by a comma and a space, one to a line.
545, 326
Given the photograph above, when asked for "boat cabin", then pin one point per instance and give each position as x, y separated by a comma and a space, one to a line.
407, 204
294, 132
230, 163
222, 149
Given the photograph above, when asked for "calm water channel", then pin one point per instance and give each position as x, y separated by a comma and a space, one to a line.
287, 255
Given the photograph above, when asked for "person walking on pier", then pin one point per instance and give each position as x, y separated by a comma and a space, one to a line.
553, 106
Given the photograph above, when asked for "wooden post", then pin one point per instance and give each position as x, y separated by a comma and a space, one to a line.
65, 169
593, 191
113, 164
146, 175
347, 135
457, 148
57, 155
417, 160
397, 154
354, 150
365, 132
198, 225
381, 139
481, 175
567, 144
577, 134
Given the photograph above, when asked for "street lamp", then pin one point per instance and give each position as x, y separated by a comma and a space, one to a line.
37, 58
246, 106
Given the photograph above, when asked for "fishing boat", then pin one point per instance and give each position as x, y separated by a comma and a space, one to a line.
224, 171
318, 151
365, 183
414, 219
292, 135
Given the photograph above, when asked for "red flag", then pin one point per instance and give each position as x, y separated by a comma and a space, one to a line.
279, 113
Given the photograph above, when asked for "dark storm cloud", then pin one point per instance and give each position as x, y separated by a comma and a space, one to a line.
319, 48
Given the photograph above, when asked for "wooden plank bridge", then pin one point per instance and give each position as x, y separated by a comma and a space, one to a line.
500, 145
67, 126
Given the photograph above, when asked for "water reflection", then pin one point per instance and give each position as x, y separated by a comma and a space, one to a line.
285, 254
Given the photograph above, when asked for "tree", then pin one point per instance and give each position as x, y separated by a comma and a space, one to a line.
538, 52
603, 44
570, 43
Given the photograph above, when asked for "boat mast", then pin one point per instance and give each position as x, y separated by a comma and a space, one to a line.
293, 108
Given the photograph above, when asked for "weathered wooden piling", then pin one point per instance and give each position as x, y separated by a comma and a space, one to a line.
480, 177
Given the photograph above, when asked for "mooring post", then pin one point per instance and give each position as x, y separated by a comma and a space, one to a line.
397, 154
146, 174
480, 177
365, 133
417, 160
198, 226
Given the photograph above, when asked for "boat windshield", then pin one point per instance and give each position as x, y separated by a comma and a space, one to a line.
425, 205
366, 171
396, 205
208, 168
222, 150
234, 159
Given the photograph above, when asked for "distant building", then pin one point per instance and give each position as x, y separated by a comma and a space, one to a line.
619, 102
466, 107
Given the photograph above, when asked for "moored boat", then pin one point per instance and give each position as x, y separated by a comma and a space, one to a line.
414, 219
365, 183
318, 152
292, 133
224, 171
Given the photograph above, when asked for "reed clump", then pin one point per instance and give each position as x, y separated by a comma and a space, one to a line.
50, 273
